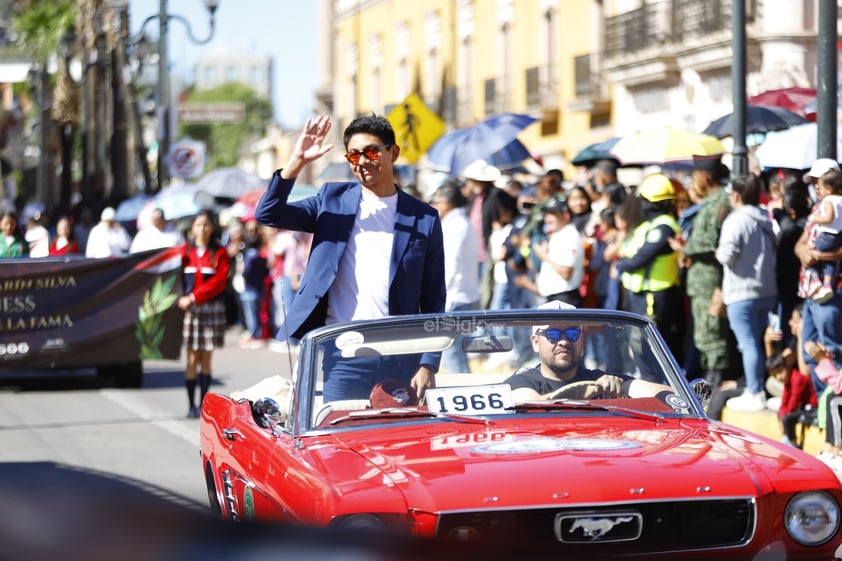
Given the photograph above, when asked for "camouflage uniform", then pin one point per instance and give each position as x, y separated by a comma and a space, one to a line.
710, 333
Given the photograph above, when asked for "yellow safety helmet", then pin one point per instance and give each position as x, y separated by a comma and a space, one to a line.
656, 188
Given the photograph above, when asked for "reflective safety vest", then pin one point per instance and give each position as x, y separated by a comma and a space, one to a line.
662, 272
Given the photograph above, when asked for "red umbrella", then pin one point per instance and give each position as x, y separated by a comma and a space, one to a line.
794, 99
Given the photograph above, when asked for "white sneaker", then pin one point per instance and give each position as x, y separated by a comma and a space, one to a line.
747, 401
773, 404
281, 347
823, 294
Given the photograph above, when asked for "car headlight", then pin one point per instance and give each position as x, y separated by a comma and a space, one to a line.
812, 518
360, 523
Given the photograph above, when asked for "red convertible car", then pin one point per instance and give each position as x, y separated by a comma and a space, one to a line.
573, 431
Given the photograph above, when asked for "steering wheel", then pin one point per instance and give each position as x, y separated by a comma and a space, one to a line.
580, 390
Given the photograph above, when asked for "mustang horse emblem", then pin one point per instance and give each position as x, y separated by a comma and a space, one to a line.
595, 528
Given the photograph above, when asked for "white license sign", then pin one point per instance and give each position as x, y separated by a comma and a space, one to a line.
470, 400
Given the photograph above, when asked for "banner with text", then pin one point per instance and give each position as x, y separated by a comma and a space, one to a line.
69, 312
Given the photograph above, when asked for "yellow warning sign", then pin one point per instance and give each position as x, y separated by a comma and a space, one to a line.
416, 127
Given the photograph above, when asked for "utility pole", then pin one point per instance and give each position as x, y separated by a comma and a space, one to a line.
739, 154
827, 104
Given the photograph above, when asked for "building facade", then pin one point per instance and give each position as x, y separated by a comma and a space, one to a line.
589, 69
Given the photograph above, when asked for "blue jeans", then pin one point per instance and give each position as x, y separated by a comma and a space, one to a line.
748, 319
454, 359
282, 296
250, 299
821, 324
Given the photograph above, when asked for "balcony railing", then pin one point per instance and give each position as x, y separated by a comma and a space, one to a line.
668, 21
541, 87
633, 31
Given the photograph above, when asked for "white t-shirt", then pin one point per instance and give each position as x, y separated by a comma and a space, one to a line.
461, 276
361, 287
836, 226
107, 241
38, 239
495, 242
153, 238
567, 249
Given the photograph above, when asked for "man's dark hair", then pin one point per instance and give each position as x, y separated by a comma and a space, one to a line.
557, 173
450, 193
797, 202
607, 167
774, 362
376, 125
748, 188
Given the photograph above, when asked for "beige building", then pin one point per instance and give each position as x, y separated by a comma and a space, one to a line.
589, 69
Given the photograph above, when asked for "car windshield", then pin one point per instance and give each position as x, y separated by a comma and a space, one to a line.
489, 364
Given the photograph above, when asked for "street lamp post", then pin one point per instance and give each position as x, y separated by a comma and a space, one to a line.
163, 101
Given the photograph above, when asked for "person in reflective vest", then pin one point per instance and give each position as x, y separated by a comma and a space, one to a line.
648, 265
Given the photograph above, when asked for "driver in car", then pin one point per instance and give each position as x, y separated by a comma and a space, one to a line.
562, 373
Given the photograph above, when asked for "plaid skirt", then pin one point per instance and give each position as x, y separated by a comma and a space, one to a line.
204, 326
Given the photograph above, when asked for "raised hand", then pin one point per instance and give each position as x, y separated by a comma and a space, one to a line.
309, 146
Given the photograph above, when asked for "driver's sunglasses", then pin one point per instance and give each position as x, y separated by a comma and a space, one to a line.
371, 152
572, 334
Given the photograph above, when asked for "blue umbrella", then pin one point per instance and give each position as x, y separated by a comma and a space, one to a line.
181, 201
130, 208
440, 154
490, 139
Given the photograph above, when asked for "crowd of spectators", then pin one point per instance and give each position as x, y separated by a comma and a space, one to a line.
740, 274
727, 267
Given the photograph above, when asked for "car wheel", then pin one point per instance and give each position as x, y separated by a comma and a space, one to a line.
125, 375
128, 375
213, 496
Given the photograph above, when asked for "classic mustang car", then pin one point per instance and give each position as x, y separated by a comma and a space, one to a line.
574, 431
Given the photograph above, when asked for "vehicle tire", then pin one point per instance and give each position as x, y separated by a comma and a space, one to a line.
125, 375
213, 496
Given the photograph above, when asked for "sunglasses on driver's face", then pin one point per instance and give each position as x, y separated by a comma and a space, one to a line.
553, 335
371, 152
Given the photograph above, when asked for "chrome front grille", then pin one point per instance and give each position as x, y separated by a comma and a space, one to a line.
647, 527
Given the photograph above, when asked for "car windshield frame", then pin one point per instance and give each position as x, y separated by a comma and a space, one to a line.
357, 339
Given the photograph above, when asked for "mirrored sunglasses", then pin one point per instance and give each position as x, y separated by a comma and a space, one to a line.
572, 334
371, 152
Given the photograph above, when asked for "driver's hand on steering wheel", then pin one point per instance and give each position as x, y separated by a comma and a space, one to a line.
610, 385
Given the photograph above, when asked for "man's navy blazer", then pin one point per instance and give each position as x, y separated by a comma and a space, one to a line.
416, 269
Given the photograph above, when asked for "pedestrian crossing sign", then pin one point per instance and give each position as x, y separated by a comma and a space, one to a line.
416, 127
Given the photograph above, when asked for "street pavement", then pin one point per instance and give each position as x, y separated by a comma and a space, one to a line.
234, 367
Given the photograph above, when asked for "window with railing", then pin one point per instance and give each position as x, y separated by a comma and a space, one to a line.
583, 75
490, 96
533, 87
630, 31
448, 105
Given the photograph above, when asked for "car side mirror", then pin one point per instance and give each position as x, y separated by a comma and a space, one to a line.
702, 390
267, 413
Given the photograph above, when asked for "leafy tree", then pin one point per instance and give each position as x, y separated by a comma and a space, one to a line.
225, 141
40, 24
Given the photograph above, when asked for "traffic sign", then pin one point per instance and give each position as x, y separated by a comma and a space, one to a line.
416, 127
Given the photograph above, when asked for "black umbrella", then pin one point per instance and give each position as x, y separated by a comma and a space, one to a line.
759, 119
596, 152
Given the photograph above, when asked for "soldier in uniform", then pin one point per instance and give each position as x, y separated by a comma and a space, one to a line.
711, 332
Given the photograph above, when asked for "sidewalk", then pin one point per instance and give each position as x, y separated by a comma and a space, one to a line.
234, 367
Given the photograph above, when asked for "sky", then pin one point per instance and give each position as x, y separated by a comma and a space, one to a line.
286, 30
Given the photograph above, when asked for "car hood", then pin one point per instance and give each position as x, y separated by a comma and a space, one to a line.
531, 462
